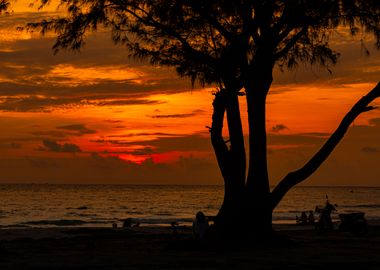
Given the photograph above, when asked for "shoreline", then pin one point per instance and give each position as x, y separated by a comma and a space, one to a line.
35, 232
148, 247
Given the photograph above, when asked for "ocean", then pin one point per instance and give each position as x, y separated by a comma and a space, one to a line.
44, 205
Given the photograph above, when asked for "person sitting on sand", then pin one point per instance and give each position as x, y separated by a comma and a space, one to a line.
127, 223
200, 226
174, 226
303, 219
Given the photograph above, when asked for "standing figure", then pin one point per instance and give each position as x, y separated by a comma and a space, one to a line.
303, 218
326, 215
310, 218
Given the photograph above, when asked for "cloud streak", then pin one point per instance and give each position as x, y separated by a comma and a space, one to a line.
80, 129
54, 146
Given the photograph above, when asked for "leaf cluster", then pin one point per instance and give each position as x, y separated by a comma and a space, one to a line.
4, 6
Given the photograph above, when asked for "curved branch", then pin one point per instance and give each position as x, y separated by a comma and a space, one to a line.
296, 177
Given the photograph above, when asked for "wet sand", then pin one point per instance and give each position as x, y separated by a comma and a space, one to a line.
157, 248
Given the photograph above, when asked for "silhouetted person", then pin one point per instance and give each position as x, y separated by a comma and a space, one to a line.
303, 218
127, 223
174, 226
310, 218
325, 215
200, 226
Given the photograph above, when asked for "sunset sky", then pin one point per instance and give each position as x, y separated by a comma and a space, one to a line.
99, 117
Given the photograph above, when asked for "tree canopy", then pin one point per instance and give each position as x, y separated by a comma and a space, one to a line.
202, 39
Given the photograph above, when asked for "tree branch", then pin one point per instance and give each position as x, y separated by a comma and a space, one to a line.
293, 40
235, 129
218, 143
296, 177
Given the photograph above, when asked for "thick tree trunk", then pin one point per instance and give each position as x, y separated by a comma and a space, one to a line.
231, 160
246, 208
258, 198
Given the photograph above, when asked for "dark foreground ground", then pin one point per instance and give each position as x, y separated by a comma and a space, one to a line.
157, 248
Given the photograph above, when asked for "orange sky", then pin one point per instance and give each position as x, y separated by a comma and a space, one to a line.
99, 117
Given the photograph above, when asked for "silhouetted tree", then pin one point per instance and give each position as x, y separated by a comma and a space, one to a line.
235, 45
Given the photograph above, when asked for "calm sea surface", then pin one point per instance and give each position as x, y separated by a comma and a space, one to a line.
100, 205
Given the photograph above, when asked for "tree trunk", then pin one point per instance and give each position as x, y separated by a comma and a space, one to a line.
246, 208
231, 160
258, 197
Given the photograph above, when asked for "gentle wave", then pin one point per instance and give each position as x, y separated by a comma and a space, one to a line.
78, 208
361, 206
60, 222
77, 222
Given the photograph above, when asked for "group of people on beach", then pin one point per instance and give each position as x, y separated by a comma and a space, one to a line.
324, 216
201, 222
306, 219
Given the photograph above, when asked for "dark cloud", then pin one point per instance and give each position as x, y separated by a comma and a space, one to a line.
182, 115
368, 149
41, 163
144, 151
32, 79
51, 133
48, 104
15, 145
278, 128
113, 121
33, 104
164, 143
159, 134
30, 68
114, 142
123, 102
375, 122
97, 168
53, 146
179, 143
81, 129
11, 145
296, 139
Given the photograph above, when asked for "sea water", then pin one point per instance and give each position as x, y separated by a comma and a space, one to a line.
44, 205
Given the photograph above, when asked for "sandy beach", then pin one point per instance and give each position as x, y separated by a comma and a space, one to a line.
157, 248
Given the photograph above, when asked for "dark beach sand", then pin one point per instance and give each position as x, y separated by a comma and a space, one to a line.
156, 248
